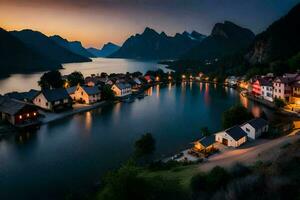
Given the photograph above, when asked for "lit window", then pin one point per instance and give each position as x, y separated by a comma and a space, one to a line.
27, 114
20, 117
34, 113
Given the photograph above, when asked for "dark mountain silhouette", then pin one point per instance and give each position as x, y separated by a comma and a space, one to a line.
105, 51
47, 47
280, 41
152, 45
225, 39
73, 46
16, 57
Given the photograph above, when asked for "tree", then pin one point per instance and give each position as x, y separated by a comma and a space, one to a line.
236, 115
75, 78
279, 103
126, 183
107, 93
145, 145
205, 131
51, 79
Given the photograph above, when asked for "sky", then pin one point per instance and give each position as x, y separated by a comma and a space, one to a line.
96, 22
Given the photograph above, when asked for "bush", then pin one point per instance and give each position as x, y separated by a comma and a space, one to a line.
279, 103
239, 170
236, 115
145, 145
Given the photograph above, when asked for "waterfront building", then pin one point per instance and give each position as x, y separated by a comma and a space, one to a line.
266, 89
282, 89
231, 81
87, 95
121, 89
296, 93
233, 137
256, 88
255, 127
53, 99
18, 113
23, 96
205, 144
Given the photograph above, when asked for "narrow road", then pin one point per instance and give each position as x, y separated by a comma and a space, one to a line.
265, 150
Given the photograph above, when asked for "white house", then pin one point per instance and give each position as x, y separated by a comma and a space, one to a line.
282, 90
88, 95
121, 89
54, 99
266, 90
255, 127
234, 137
232, 80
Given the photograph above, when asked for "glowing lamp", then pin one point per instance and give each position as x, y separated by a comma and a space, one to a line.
20, 117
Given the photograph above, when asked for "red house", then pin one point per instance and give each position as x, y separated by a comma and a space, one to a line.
256, 88
18, 113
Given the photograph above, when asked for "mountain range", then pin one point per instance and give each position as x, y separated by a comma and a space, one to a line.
280, 40
16, 57
106, 50
153, 45
73, 46
27, 51
225, 39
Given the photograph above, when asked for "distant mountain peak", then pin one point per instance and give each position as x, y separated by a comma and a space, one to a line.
149, 31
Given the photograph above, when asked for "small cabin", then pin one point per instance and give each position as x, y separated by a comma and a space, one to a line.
87, 95
255, 127
53, 99
18, 113
233, 137
205, 144
121, 89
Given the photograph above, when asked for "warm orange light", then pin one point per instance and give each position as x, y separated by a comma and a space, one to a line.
183, 76
169, 77
34, 113
157, 78
191, 76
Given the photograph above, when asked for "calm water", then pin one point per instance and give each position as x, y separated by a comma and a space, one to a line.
69, 156
25, 82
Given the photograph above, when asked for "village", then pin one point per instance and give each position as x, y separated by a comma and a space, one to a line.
33, 108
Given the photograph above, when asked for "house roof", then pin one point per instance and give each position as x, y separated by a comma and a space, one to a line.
71, 90
55, 94
236, 132
91, 90
264, 82
207, 141
11, 106
257, 123
123, 85
30, 95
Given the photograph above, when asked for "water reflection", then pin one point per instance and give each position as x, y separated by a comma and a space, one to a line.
244, 101
88, 121
157, 87
201, 85
206, 94
149, 92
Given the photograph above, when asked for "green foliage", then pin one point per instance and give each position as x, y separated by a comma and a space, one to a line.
279, 103
126, 184
205, 131
217, 178
75, 78
107, 93
236, 115
294, 62
145, 145
51, 79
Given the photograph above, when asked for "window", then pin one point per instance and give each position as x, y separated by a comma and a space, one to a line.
247, 129
46, 103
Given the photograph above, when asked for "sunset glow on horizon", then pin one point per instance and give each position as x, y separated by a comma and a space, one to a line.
96, 22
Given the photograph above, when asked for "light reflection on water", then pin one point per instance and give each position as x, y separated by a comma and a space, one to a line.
25, 82
73, 153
